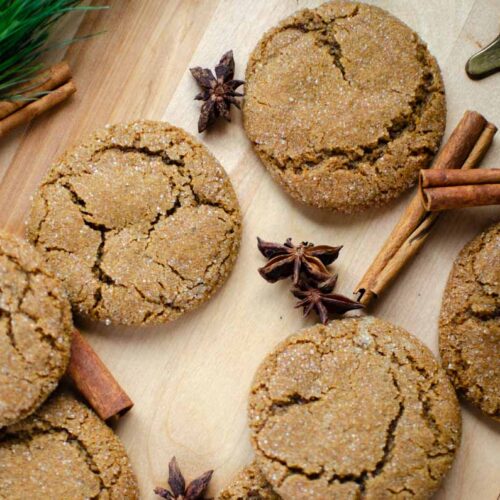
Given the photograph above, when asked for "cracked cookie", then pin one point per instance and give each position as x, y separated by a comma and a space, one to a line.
469, 324
249, 484
140, 222
344, 105
357, 408
64, 451
35, 330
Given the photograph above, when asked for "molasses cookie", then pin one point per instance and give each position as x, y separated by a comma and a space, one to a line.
140, 222
64, 451
344, 105
357, 407
469, 325
249, 484
35, 330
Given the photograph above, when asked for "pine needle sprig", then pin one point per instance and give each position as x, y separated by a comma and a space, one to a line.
24, 32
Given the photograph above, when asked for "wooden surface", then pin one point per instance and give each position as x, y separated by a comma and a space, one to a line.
189, 379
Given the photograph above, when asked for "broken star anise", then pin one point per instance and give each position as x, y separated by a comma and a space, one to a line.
320, 298
289, 260
218, 91
195, 490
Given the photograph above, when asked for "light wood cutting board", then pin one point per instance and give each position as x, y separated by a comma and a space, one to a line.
189, 379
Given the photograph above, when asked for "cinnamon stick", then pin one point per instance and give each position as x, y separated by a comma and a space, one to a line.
445, 178
95, 382
37, 107
451, 189
48, 80
456, 197
467, 145
481, 147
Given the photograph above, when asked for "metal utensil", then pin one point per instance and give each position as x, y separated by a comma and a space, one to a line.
485, 62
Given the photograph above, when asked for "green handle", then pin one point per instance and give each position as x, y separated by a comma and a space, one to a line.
485, 62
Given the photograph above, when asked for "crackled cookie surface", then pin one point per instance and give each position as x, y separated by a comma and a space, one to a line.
249, 484
35, 330
344, 104
469, 326
357, 407
140, 222
64, 451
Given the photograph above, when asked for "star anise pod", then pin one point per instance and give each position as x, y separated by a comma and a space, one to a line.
218, 91
195, 490
290, 260
320, 298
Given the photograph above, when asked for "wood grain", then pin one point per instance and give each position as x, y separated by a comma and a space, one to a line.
189, 380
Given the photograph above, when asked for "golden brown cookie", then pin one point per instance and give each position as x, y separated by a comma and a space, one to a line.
469, 325
344, 105
140, 222
35, 330
357, 407
64, 451
249, 484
